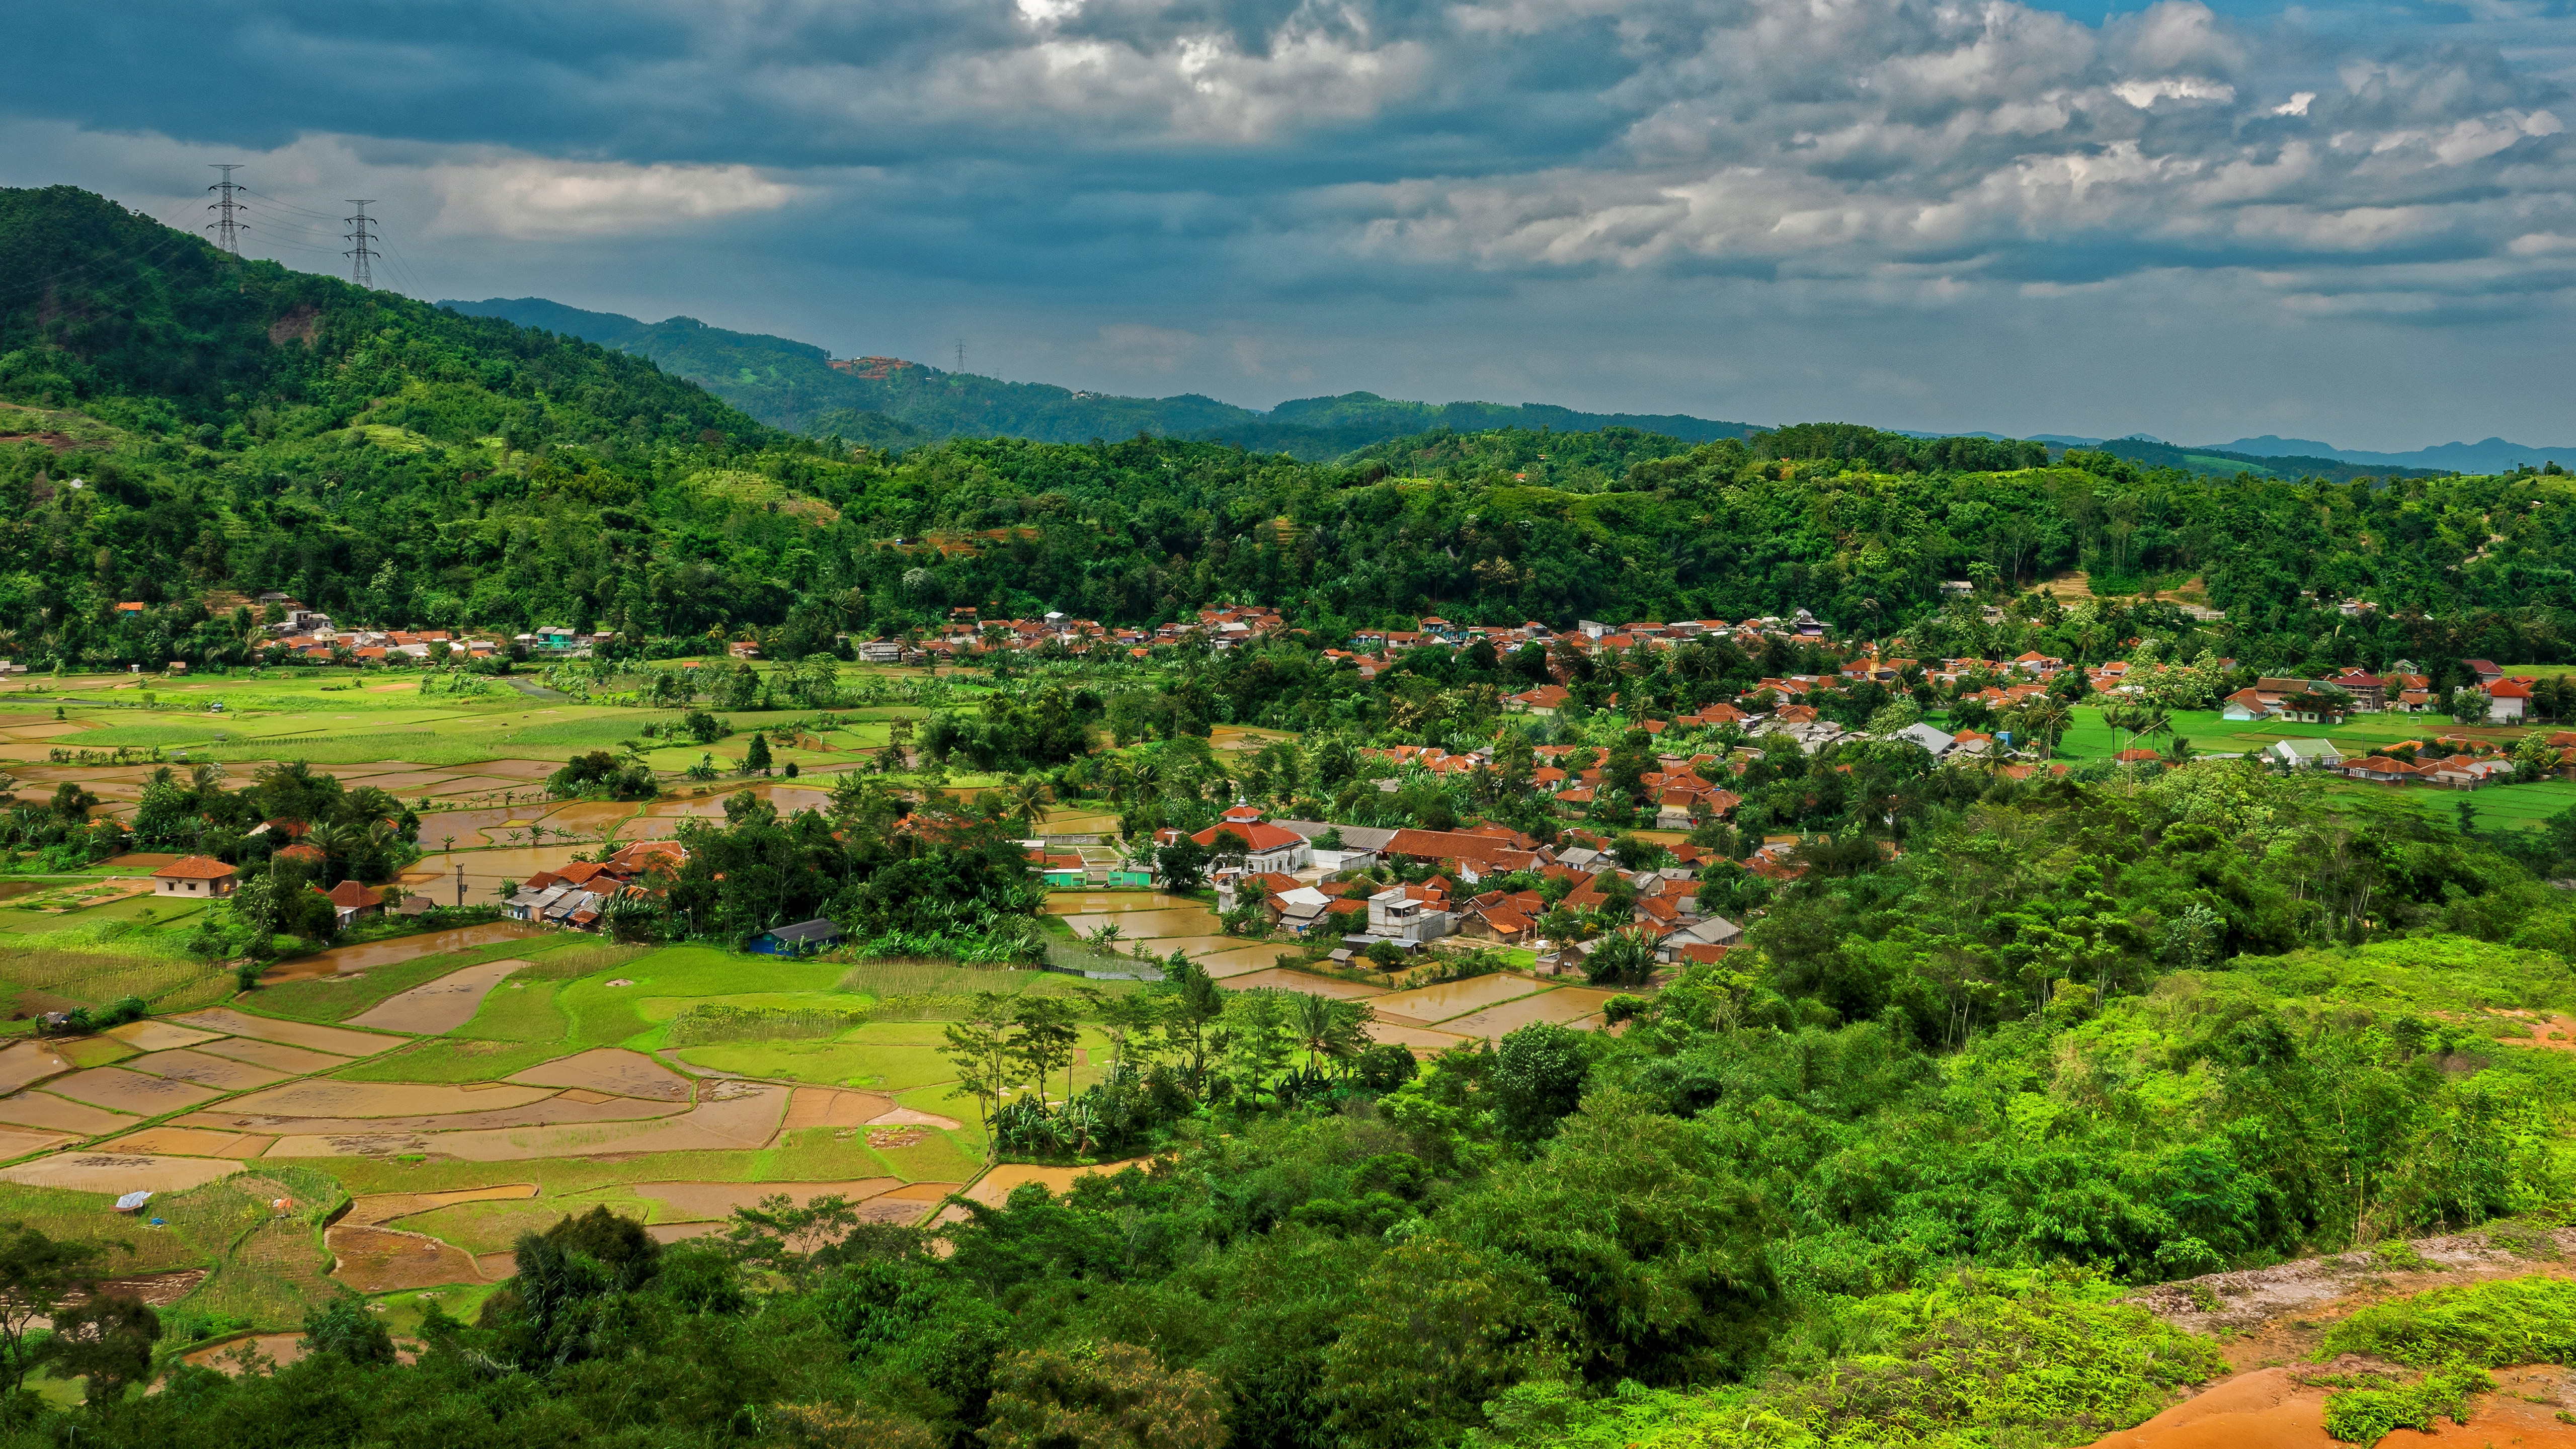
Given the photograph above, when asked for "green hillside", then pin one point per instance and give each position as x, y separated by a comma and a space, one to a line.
2222, 463
792, 385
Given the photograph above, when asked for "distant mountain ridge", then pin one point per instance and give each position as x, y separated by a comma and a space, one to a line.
795, 385
895, 403
2493, 455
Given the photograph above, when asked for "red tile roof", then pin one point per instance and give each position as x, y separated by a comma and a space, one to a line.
195, 867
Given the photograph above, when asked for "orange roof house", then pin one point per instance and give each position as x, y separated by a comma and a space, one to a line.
201, 876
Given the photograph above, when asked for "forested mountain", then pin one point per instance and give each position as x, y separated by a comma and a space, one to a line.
2227, 463
236, 427
887, 401
2492, 455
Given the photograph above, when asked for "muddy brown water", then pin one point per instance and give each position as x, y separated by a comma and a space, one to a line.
341, 960
1455, 998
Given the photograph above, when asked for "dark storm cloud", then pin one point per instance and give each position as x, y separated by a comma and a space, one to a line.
1236, 182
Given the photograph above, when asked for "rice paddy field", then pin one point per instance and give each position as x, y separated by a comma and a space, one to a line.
389, 1118
342, 717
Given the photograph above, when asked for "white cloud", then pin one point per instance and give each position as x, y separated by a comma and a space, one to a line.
2145, 93
530, 197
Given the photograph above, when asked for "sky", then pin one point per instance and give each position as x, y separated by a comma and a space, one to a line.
2351, 223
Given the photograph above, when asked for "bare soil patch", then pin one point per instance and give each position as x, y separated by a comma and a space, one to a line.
551, 1112
610, 1069
725, 1125
379, 1210
17, 1142
194, 1142
829, 1107
994, 1187
135, 1092
907, 1116
160, 1290
2548, 1033
2270, 1323
159, 1036
442, 1005
205, 1070
226, 1357
119, 1172
388, 1260
2257, 1302
324, 1097
60, 1114
293, 1033
277, 1056
25, 1063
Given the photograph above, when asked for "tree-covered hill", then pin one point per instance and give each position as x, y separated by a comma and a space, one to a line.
2226, 463
147, 327
887, 401
238, 428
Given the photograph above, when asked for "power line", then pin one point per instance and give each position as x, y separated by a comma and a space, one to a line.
362, 247
403, 264
224, 206
291, 206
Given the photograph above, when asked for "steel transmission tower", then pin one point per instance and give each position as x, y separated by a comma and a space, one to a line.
362, 246
223, 206
961, 354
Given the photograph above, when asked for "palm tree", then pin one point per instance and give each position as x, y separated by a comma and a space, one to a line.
2046, 718
335, 841
1028, 797
1328, 1029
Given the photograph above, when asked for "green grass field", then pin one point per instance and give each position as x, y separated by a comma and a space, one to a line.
2498, 807
334, 716
2091, 738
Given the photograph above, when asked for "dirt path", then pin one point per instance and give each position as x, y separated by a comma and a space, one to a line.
2271, 1322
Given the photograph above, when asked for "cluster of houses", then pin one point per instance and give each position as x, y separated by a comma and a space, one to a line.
1372, 651
578, 893
967, 634
2458, 763
312, 634
204, 878
1358, 914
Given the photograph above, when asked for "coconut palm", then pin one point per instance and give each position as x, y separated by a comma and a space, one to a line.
1028, 800
2045, 719
1329, 1030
